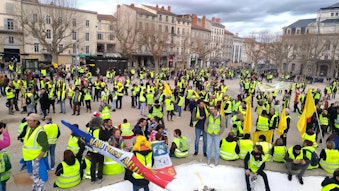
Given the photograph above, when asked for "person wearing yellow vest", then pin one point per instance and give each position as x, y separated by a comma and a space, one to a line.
111, 166
179, 103
266, 147
77, 99
309, 151
105, 110
179, 147
97, 160
245, 145
255, 163
156, 111
311, 136
126, 130
142, 102
214, 126
142, 149
5, 161
88, 99
288, 122
68, 171
34, 152
296, 159
329, 158
76, 145
324, 122
229, 149
53, 133
61, 97
331, 184
278, 151
10, 95
199, 116
263, 122
169, 105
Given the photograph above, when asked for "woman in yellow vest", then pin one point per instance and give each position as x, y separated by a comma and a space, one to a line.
68, 171
75, 145
278, 151
126, 130
331, 184
229, 149
179, 147
311, 136
329, 158
255, 163
308, 150
143, 151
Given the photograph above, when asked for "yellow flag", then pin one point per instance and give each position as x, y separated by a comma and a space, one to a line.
167, 89
248, 119
222, 108
282, 123
268, 134
308, 111
248, 99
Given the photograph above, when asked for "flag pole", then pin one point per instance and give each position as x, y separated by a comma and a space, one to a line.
320, 130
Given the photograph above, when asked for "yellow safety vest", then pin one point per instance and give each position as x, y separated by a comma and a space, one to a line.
105, 113
111, 167
253, 164
126, 129
169, 105
182, 147
52, 133
291, 155
266, 147
4, 158
279, 153
311, 138
245, 146
70, 177
73, 144
213, 125
144, 160
330, 187
332, 160
309, 150
227, 150
31, 148
197, 114
9, 94
262, 124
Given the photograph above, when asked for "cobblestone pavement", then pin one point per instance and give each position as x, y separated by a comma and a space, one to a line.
21, 181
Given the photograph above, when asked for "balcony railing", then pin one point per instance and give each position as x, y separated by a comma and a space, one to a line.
6, 29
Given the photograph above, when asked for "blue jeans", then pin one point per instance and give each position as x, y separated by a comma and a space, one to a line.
197, 138
142, 107
136, 188
210, 141
114, 102
179, 109
3, 186
52, 154
62, 106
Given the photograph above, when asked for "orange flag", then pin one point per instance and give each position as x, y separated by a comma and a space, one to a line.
282, 123
308, 111
248, 119
167, 89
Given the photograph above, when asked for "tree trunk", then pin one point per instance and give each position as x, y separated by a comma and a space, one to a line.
156, 65
55, 57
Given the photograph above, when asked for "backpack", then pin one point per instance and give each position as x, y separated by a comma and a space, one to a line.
314, 158
5, 162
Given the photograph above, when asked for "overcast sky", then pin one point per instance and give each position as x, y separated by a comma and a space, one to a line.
239, 16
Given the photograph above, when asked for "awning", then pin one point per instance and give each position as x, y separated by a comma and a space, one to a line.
86, 55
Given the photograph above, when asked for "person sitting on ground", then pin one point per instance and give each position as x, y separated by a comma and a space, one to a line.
278, 151
160, 129
331, 184
266, 146
229, 149
309, 151
311, 136
68, 172
329, 158
295, 160
255, 163
179, 147
245, 145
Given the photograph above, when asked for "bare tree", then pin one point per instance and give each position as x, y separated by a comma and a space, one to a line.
203, 48
126, 32
51, 22
156, 42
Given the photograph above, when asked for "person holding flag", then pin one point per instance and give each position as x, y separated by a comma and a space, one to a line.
308, 112
284, 125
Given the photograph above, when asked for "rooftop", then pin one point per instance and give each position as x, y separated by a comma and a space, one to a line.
197, 27
161, 10
301, 23
334, 6
105, 17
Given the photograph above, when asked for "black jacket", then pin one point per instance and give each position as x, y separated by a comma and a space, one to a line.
328, 181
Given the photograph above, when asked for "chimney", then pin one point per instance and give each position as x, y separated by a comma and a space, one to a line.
194, 19
162, 8
169, 8
132, 5
118, 6
213, 20
217, 20
157, 7
203, 21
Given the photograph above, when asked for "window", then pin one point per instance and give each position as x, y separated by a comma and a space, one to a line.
336, 14
172, 30
60, 19
166, 18
87, 49
35, 17
160, 18
183, 31
87, 23
172, 19
87, 37
74, 22
10, 24
61, 47
99, 36
36, 47
166, 28
48, 34
11, 40
99, 25
111, 37
74, 35
332, 14
74, 48
48, 19
178, 31
111, 27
